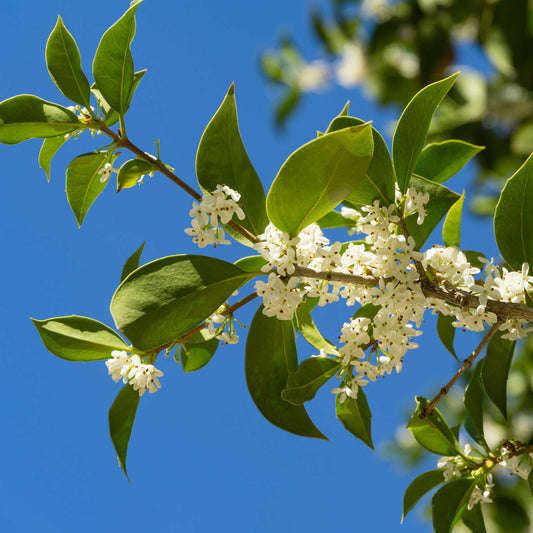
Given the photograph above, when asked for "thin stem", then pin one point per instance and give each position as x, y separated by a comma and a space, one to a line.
467, 363
492, 462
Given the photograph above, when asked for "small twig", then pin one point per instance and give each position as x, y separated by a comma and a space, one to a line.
338, 276
492, 462
467, 363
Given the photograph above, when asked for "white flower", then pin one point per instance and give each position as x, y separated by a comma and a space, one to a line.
228, 338
114, 365
479, 496
105, 172
312, 77
521, 468
279, 299
351, 67
141, 376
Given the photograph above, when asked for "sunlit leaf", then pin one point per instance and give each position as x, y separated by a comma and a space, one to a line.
321, 174
121, 417
132, 263
451, 230
166, 298
64, 65
413, 126
513, 218
78, 338
48, 149
356, 417
131, 171
26, 117
419, 487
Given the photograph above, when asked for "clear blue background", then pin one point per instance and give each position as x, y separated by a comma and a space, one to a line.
201, 457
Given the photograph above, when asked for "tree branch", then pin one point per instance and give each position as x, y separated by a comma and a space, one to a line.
126, 143
467, 363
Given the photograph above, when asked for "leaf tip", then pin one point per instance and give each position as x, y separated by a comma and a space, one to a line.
231, 89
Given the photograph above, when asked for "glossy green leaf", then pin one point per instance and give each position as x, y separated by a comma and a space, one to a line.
309, 331
473, 519
334, 219
413, 126
451, 230
222, 160
513, 218
251, 263
78, 338
270, 355
195, 355
446, 333
64, 65
48, 149
449, 502
379, 179
110, 115
473, 399
356, 417
419, 487
121, 417
320, 174
432, 432
367, 311
166, 298
132, 263
496, 371
130, 172
310, 375
26, 117
83, 182
441, 161
113, 62
441, 200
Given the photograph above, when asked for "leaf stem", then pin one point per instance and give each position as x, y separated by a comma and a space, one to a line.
467, 363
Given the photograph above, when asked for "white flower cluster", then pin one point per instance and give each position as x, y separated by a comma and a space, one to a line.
215, 207
398, 297
481, 496
133, 371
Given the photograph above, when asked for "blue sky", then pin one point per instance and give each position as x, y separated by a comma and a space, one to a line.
201, 458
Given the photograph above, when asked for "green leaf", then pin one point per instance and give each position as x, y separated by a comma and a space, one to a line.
222, 160
130, 172
320, 175
251, 263
64, 65
78, 338
440, 200
166, 298
432, 432
379, 180
413, 126
530, 482
368, 310
334, 219
309, 330
110, 115
513, 218
132, 263
26, 117
83, 182
446, 333
441, 161
269, 357
419, 487
356, 417
451, 230
121, 417
473, 519
496, 371
509, 513
48, 149
473, 399
195, 355
113, 62
310, 375
449, 502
